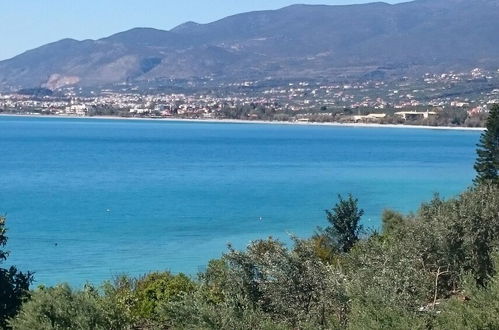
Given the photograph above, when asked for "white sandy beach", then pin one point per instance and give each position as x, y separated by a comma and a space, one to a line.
266, 122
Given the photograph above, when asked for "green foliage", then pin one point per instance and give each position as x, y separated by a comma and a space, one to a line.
323, 249
477, 308
159, 287
462, 232
396, 278
140, 299
3, 239
391, 221
290, 286
430, 270
345, 227
268, 286
388, 281
487, 163
196, 312
374, 314
126, 303
62, 308
14, 285
451, 117
249, 111
121, 296
213, 280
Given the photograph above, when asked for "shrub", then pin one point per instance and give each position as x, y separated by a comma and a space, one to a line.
62, 308
475, 308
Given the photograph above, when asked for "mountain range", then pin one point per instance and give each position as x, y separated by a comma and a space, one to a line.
300, 41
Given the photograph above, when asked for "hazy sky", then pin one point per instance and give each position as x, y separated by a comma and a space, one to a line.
26, 24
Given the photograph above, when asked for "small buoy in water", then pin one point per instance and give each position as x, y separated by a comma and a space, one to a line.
108, 210
261, 219
55, 244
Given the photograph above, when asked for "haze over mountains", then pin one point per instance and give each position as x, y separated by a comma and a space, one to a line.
300, 41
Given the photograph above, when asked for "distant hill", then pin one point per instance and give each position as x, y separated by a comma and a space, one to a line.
301, 41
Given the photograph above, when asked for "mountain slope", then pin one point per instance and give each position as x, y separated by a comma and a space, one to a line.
296, 42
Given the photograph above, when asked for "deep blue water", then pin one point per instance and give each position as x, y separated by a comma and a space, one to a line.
89, 199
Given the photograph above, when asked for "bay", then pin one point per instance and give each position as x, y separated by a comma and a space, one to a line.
88, 199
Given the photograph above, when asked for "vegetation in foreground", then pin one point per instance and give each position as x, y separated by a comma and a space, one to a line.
435, 269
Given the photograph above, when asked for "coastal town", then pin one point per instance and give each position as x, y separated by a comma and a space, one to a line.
448, 99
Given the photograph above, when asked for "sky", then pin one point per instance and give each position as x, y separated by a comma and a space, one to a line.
27, 24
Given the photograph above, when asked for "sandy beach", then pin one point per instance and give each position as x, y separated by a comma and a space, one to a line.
260, 122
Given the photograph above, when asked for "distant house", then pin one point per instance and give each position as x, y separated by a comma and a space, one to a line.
459, 104
166, 113
415, 115
477, 110
372, 117
77, 109
140, 110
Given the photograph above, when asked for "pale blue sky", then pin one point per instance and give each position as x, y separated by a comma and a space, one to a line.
26, 24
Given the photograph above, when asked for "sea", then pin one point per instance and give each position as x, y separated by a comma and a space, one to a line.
87, 200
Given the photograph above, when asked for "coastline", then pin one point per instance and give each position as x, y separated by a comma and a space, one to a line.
260, 122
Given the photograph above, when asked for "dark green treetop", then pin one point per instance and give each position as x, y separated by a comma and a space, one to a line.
345, 226
487, 162
13, 284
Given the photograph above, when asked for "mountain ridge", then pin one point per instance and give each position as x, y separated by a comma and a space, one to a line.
297, 41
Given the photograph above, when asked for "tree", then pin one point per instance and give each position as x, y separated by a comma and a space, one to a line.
156, 288
345, 227
487, 162
14, 285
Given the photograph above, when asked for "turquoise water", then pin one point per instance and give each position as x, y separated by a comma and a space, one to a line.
89, 199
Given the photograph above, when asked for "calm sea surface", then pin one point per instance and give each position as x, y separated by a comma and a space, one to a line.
89, 199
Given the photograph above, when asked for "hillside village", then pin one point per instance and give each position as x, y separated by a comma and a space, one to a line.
465, 95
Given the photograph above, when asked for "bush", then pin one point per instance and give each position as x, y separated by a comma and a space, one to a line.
139, 299
399, 276
156, 288
391, 221
463, 232
476, 308
267, 286
62, 308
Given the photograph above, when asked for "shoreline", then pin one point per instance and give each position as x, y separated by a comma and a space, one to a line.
260, 122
